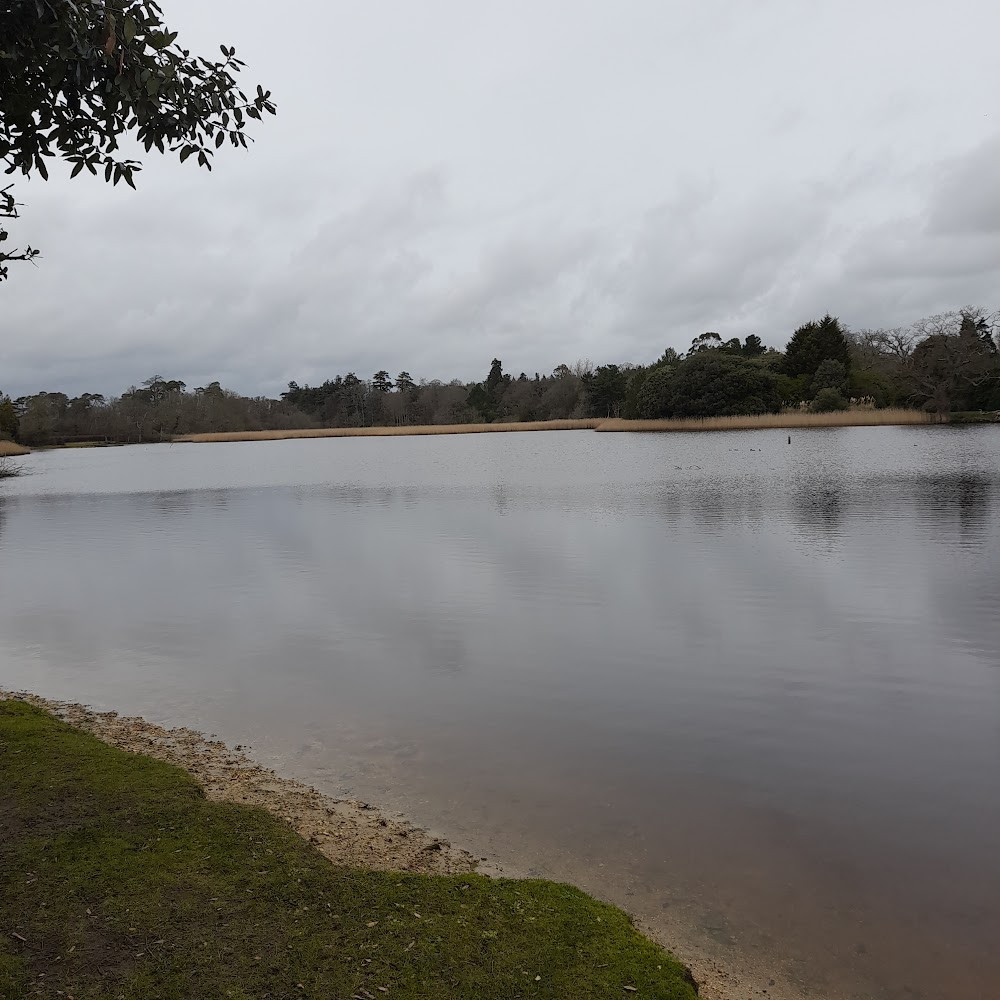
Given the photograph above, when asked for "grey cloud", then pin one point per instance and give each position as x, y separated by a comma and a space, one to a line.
708, 262
450, 183
940, 256
967, 198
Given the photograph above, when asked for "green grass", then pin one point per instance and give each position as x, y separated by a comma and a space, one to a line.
119, 879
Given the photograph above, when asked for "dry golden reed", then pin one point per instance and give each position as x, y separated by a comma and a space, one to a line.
842, 418
8, 449
409, 430
845, 418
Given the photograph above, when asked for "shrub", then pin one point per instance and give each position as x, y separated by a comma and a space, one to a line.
827, 401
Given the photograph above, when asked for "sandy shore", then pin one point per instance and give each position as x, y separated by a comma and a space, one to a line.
347, 831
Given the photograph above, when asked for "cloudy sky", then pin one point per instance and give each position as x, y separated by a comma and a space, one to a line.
448, 181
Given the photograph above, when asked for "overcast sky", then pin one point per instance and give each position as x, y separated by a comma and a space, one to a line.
542, 181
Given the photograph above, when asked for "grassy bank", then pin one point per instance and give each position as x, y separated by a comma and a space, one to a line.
8, 449
844, 418
119, 879
406, 431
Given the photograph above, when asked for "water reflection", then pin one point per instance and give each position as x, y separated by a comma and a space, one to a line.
949, 508
967, 499
820, 507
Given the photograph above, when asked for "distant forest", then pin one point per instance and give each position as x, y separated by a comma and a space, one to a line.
943, 363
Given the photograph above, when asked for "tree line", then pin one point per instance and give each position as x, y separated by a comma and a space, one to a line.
76, 78
942, 363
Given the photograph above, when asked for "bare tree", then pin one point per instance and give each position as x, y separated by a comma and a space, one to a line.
956, 351
8, 468
896, 341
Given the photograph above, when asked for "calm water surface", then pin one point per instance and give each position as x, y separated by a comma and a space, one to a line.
750, 690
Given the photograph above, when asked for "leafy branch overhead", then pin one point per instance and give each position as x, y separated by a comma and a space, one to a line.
8, 210
76, 76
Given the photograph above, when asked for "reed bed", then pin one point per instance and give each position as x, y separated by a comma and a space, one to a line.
845, 418
405, 431
8, 449
842, 418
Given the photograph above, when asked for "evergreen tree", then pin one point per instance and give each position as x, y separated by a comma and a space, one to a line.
830, 375
605, 390
495, 377
713, 384
8, 418
814, 343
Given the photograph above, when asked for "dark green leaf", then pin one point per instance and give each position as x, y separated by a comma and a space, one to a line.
131, 78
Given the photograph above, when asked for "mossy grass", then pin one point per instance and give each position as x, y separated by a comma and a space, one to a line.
118, 878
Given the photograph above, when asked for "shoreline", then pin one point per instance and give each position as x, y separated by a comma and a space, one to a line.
789, 420
169, 872
793, 419
346, 831
765, 421
405, 430
354, 833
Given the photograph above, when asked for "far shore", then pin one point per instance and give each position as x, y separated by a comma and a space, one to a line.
767, 421
790, 419
786, 420
403, 430
8, 449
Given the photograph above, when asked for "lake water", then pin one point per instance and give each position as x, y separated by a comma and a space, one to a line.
747, 689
